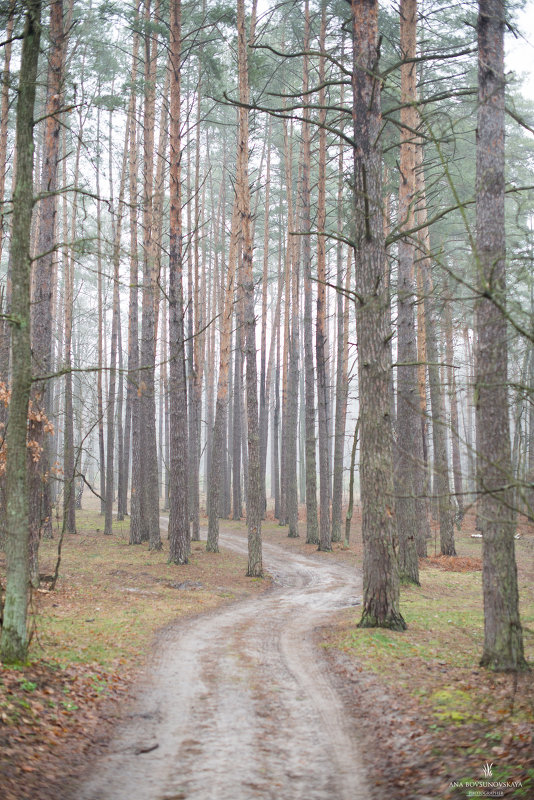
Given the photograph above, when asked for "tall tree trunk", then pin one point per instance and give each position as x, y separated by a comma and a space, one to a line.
410, 510
276, 431
342, 393
290, 437
342, 386
423, 491
43, 280
69, 493
5, 290
69, 500
503, 641
237, 409
380, 568
218, 448
325, 534
439, 432
312, 524
264, 409
196, 372
350, 505
121, 487
4, 110
254, 493
133, 355
100, 301
133, 403
179, 531
14, 640
453, 402
149, 462
530, 440
285, 350
439, 436
469, 423
115, 323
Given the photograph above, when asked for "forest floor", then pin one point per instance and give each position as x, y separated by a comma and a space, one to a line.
274, 688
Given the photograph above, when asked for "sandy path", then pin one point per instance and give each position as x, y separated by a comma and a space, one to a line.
238, 705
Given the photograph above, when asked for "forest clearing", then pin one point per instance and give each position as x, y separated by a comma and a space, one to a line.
266, 399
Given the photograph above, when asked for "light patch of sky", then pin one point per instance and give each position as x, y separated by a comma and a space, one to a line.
520, 48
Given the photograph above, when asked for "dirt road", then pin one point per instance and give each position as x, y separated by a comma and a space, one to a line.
238, 705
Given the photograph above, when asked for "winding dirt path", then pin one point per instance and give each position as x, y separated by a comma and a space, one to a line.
238, 705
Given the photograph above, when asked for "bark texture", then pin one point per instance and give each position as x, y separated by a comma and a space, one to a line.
380, 567
410, 509
325, 533
42, 283
254, 493
179, 532
312, 524
14, 641
503, 642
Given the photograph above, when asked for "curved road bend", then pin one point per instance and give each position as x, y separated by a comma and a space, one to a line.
238, 706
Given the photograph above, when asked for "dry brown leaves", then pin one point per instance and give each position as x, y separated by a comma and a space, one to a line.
46, 709
452, 563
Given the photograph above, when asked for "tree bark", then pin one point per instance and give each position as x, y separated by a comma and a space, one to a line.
133, 344
380, 568
264, 408
14, 640
439, 432
43, 281
342, 393
149, 461
133, 415
100, 345
4, 110
115, 323
218, 448
312, 523
453, 402
503, 641
254, 493
325, 533
237, 409
179, 531
410, 510
69, 500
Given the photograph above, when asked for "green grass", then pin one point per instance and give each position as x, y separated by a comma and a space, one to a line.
112, 597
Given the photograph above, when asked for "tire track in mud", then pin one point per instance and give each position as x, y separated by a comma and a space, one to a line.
236, 703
